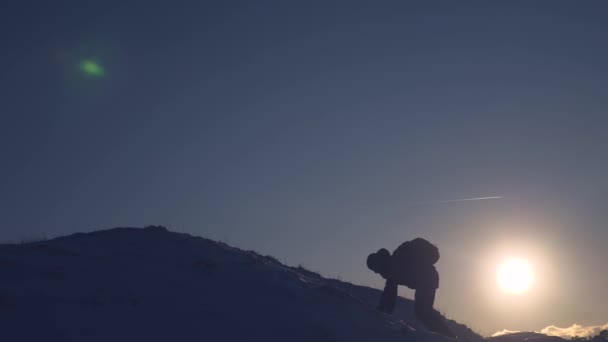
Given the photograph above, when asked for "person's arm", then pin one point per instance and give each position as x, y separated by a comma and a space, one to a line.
389, 297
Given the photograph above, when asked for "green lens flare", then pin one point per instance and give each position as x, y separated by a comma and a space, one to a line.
92, 68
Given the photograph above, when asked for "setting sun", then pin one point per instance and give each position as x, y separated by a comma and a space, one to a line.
515, 276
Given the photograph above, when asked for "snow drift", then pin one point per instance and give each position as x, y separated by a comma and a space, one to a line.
133, 284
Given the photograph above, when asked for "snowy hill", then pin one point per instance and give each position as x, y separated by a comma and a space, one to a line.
133, 284
525, 337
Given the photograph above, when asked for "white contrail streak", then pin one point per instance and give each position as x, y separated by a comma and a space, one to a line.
470, 199
461, 200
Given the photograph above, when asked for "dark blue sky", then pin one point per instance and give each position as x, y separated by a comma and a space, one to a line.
309, 130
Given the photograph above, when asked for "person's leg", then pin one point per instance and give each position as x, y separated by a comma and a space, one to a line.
423, 303
423, 307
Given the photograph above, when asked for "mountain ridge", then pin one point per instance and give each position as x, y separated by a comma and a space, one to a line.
149, 283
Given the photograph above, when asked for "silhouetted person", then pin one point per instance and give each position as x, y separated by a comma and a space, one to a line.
411, 265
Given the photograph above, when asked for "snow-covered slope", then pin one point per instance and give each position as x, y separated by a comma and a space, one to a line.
133, 284
525, 337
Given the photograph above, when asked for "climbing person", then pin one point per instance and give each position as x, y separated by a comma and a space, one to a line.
411, 265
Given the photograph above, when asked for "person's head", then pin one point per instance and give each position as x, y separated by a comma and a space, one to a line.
378, 261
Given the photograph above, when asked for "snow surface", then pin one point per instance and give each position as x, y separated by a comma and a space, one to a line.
525, 337
134, 284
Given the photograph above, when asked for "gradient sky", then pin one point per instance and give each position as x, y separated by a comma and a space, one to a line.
319, 131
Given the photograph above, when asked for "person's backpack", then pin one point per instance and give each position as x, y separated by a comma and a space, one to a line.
418, 251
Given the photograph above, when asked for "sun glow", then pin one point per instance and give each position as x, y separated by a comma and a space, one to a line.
515, 276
